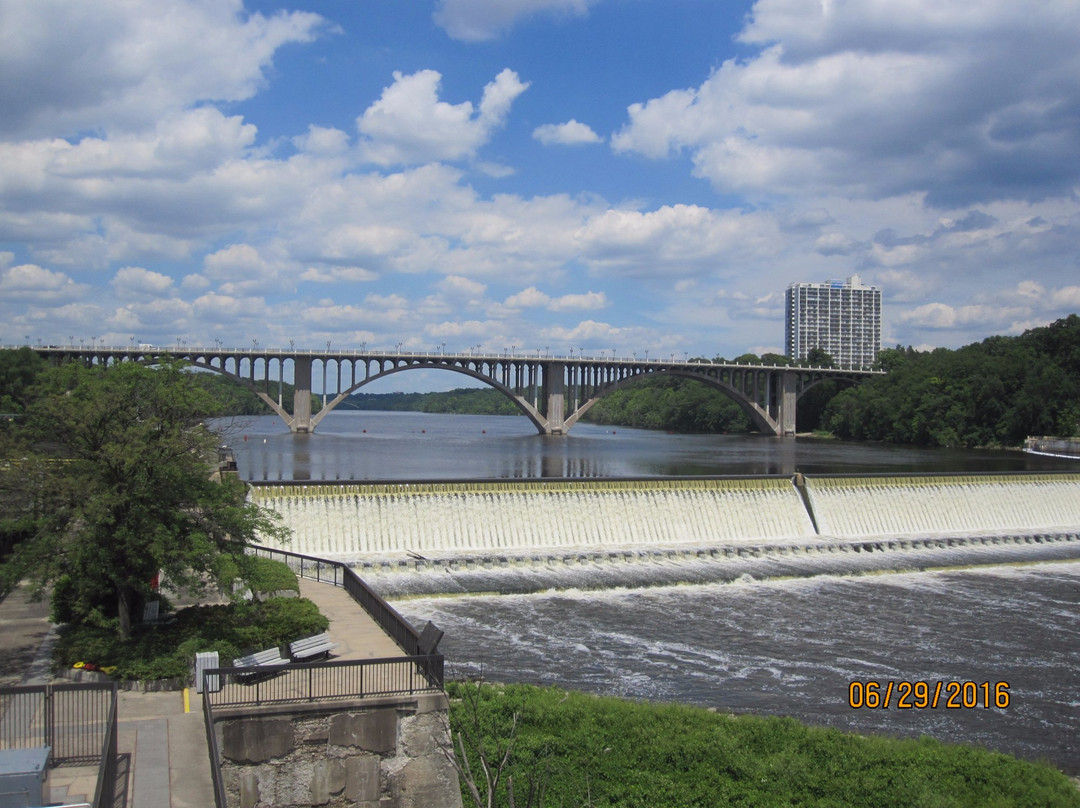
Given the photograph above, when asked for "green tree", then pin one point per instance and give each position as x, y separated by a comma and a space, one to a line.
18, 369
114, 487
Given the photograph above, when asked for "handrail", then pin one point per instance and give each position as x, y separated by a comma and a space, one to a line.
318, 681
397, 627
220, 798
107, 766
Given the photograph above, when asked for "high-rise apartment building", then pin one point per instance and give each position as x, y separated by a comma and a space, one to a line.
843, 318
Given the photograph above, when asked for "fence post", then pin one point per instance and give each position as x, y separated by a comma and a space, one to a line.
49, 720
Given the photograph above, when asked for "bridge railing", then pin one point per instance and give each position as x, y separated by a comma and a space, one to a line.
523, 356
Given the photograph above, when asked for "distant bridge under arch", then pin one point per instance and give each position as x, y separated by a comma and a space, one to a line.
552, 391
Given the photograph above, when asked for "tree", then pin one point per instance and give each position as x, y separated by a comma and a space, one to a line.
115, 487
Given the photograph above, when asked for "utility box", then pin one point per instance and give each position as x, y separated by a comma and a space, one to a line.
206, 660
22, 777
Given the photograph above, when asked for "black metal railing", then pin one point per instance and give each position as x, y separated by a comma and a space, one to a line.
105, 793
77, 721
220, 799
337, 573
323, 681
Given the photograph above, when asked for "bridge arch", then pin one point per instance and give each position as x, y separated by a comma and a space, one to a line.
526, 408
758, 417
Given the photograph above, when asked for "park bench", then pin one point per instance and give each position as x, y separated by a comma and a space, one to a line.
311, 647
271, 656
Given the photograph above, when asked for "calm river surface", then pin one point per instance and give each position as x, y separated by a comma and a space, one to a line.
787, 646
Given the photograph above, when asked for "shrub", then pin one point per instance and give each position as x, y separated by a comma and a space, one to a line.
168, 651
259, 574
586, 750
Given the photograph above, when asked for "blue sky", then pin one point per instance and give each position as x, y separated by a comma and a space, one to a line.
599, 174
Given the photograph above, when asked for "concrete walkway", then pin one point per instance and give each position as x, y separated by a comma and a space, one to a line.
161, 736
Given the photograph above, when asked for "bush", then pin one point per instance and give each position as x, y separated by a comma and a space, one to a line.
168, 651
586, 750
260, 574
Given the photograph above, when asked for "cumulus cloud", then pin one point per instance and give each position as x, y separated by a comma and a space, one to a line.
338, 275
139, 283
533, 298
877, 100
674, 240
410, 125
571, 133
76, 67
29, 282
481, 20
458, 287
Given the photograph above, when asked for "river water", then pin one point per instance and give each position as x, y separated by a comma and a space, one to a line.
762, 642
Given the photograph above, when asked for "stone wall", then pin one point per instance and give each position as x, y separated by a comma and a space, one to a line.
378, 753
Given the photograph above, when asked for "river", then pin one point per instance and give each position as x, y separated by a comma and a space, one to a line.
767, 643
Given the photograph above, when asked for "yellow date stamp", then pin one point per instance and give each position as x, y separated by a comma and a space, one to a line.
921, 695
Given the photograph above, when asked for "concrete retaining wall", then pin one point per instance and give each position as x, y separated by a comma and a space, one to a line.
380, 753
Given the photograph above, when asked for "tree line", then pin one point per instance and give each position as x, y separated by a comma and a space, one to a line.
991, 393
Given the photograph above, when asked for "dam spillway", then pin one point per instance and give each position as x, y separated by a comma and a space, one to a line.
369, 520
851, 507
520, 518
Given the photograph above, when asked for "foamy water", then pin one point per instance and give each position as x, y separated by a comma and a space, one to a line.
791, 647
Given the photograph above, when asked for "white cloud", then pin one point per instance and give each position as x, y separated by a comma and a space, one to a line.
481, 20
410, 125
1067, 298
321, 140
571, 133
876, 100
235, 262
675, 240
338, 275
528, 298
223, 306
71, 67
461, 288
29, 282
140, 283
583, 302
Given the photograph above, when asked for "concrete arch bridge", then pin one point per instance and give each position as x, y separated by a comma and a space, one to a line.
552, 391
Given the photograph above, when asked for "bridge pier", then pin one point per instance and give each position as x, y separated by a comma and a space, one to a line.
301, 418
554, 379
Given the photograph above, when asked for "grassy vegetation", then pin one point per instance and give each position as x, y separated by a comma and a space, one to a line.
592, 751
168, 650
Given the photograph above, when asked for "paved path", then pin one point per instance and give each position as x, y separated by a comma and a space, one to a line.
163, 748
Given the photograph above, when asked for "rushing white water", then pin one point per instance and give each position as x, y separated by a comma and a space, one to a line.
523, 518
518, 518
855, 507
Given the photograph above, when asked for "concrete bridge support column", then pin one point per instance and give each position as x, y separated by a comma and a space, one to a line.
787, 396
301, 420
554, 381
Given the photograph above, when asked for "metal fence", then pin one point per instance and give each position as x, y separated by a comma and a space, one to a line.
336, 573
77, 721
323, 681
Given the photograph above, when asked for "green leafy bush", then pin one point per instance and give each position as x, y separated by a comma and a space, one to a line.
260, 574
586, 750
168, 651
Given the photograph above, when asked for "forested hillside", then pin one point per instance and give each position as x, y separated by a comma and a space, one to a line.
992, 393
463, 400
672, 404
